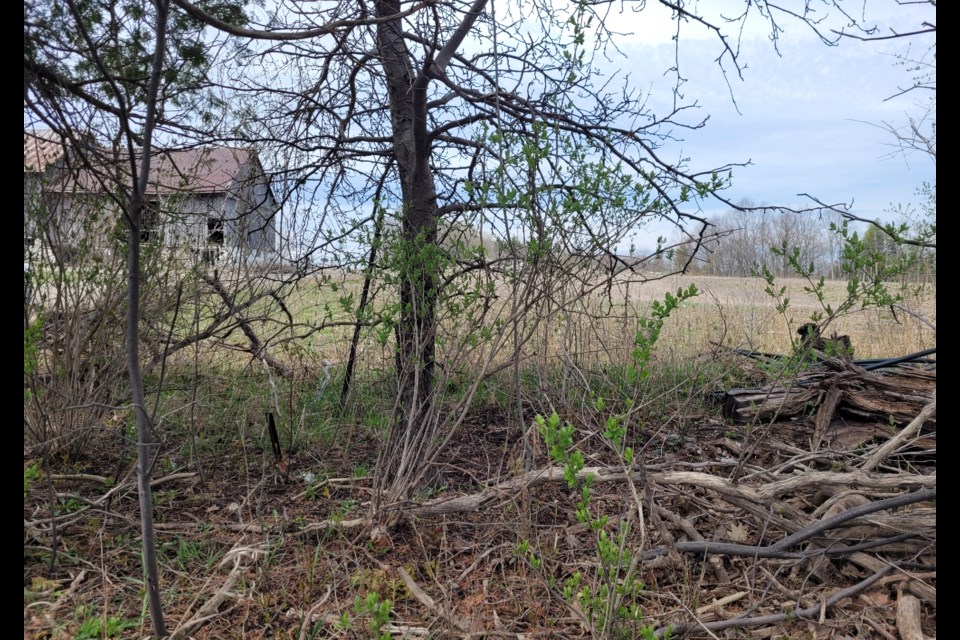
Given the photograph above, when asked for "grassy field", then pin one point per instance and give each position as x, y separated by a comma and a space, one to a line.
734, 312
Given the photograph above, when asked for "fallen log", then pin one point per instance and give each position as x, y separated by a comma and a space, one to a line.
894, 395
767, 403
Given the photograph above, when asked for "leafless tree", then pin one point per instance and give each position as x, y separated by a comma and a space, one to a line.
96, 67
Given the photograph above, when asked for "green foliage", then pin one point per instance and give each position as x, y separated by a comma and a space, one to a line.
569, 194
377, 610
610, 601
31, 337
94, 627
189, 555
648, 331
68, 505
609, 598
559, 441
525, 551
869, 265
31, 474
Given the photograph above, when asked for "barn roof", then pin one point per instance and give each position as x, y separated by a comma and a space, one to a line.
207, 169
41, 148
199, 170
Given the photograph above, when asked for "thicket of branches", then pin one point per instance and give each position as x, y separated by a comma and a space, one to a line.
470, 160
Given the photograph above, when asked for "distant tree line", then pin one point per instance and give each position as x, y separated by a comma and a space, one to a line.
746, 239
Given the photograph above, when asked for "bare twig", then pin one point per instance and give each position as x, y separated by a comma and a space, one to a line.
806, 612
240, 556
308, 618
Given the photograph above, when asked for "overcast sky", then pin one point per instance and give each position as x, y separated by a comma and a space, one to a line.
809, 120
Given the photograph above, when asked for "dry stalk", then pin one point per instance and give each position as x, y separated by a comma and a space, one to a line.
241, 557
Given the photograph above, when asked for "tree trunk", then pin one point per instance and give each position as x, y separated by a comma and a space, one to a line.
144, 424
416, 334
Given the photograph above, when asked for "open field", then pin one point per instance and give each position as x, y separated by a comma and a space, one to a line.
735, 312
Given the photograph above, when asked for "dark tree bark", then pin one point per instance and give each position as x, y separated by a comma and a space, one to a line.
416, 334
420, 254
418, 270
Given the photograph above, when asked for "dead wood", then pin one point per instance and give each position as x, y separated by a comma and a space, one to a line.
745, 405
424, 598
893, 443
684, 525
780, 549
908, 618
917, 587
825, 414
308, 619
240, 556
896, 394
257, 347
759, 495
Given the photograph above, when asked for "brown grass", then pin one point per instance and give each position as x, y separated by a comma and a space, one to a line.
599, 329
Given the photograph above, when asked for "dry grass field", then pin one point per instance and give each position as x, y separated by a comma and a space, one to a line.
740, 313
734, 312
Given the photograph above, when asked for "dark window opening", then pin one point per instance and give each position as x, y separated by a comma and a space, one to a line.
215, 231
211, 253
150, 221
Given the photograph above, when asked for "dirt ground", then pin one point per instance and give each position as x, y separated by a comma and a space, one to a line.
240, 551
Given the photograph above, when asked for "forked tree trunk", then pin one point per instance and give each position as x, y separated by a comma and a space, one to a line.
410, 443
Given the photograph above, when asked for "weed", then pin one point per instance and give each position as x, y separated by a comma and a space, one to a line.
377, 422
610, 600
93, 627
377, 610
189, 555
524, 551
31, 474
866, 271
69, 505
